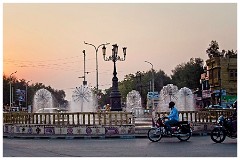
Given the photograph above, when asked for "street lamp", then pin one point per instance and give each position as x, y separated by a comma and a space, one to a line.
96, 49
26, 93
84, 72
11, 98
115, 95
152, 76
153, 106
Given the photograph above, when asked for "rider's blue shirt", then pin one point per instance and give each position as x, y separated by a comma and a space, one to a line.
173, 114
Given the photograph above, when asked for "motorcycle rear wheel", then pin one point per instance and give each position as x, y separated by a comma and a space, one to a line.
185, 136
218, 135
154, 134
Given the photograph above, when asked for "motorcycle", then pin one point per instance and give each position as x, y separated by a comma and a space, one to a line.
182, 130
224, 128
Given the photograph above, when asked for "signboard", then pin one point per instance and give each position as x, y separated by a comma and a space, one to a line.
20, 95
152, 95
217, 92
229, 99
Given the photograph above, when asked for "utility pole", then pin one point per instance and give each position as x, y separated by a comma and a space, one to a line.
26, 92
84, 69
153, 106
11, 91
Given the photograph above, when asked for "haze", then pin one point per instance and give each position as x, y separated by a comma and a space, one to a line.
44, 42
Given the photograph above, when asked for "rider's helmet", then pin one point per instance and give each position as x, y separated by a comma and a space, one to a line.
171, 104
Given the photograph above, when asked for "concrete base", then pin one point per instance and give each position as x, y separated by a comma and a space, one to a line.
31, 130
88, 132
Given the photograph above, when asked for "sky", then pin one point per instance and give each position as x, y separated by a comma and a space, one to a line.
43, 42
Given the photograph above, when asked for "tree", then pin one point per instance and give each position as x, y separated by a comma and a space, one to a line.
6, 90
140, 81
230, 53
161, 79
188, 74
212, 51
21, 84
105, 99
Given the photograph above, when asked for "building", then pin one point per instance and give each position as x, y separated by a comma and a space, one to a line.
221, 76
204, 94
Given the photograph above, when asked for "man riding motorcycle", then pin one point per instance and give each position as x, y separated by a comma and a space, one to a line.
172, 117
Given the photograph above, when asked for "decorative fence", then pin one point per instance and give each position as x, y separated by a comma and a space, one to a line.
88, 124
68, 119
96, 124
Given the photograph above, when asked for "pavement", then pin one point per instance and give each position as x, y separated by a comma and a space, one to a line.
196, 146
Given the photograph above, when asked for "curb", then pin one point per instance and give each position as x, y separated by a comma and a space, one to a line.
69, 137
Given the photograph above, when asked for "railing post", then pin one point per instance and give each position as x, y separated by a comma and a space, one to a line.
191, 114
104, 119
116, 118
121, 118
49, 118
110, 118
78, 118
73, 123
99, 118
67, 119
93, 118
83, 115
89, 122
195, 116
54, 120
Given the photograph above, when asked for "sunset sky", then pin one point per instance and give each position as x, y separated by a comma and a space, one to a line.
44, 42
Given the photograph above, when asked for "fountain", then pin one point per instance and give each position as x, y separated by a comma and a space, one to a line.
42, 99
183, 98
134, 103
83, 100
167, 94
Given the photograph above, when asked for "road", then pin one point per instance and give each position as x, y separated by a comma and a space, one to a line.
197, 146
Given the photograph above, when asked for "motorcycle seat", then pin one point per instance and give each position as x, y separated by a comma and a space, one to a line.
180, 123
183, 122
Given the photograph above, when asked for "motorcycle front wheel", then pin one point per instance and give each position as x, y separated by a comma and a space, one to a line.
185, 136
218, 135
154, 134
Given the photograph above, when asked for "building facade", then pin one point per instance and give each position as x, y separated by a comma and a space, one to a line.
221, 80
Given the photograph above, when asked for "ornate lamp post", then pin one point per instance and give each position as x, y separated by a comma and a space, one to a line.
115, 95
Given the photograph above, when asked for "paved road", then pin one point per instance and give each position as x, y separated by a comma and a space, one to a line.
197, 146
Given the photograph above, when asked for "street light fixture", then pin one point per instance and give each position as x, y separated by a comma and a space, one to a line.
115, 95
27, 94
96, 50
11, 96
153, 106
152, 76
84, 70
